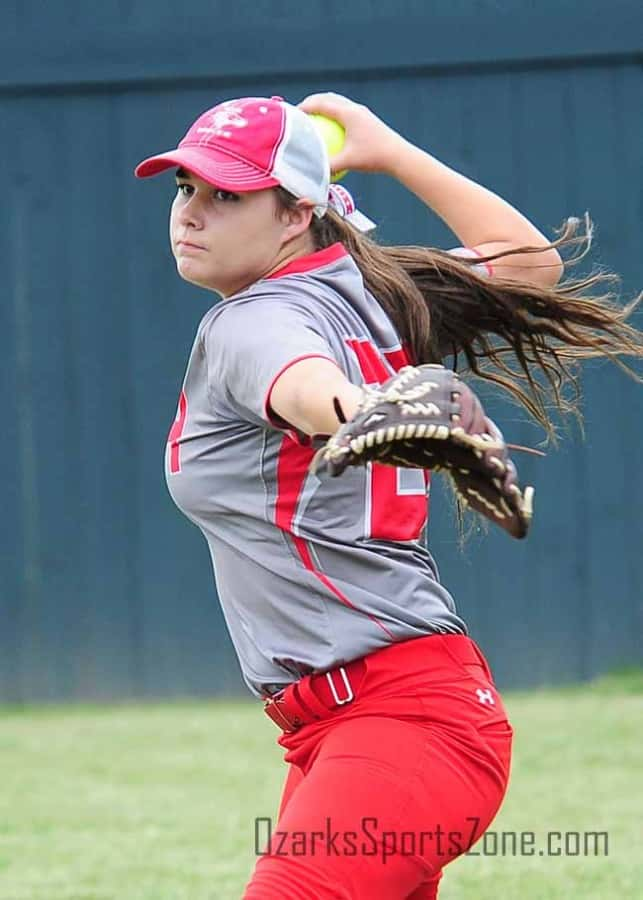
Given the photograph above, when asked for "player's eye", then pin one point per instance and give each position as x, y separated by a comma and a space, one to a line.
224, 196
187, 189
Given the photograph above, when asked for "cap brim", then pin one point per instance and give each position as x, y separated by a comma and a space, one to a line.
218, 169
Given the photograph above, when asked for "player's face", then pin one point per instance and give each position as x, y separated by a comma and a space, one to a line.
224, 241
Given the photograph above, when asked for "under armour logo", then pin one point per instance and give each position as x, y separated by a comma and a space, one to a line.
485, 697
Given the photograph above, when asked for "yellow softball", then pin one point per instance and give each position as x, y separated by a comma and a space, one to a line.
333, 135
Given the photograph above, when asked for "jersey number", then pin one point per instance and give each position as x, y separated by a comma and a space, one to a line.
393, 515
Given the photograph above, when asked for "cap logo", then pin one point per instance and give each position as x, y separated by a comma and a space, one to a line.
225, 117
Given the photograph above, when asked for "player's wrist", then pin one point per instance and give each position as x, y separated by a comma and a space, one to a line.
399, 155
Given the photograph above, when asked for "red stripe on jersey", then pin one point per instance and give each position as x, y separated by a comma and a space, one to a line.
304, 553
292, 468
397, 358
370, 362
312, 261
174, 437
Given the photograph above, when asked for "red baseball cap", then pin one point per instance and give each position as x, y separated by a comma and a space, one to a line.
250, 144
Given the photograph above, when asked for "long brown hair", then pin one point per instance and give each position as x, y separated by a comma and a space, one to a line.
526, 338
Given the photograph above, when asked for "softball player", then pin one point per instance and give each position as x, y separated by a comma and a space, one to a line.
397, 739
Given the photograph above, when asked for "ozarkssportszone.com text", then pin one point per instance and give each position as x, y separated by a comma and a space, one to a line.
370, 839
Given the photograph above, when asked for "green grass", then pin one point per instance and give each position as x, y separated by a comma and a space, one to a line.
157, 802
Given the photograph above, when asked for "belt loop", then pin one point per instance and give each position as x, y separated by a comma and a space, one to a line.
349, 690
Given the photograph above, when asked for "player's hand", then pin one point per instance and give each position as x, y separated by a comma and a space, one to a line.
424, 417
370, 146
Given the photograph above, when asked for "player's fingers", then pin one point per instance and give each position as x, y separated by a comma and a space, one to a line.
332, 105
340, 161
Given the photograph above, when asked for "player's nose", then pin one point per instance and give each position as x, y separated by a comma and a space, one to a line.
190, 214
190, 219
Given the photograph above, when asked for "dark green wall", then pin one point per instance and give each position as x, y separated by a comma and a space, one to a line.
105, 590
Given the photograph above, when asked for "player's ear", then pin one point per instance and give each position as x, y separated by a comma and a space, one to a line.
297, 219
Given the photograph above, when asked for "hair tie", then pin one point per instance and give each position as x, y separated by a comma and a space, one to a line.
341, 201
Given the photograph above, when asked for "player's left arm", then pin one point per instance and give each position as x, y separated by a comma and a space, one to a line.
303, 396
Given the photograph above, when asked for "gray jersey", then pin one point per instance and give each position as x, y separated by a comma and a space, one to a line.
311, 571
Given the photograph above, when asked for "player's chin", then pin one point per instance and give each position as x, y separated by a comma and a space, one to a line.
192, 270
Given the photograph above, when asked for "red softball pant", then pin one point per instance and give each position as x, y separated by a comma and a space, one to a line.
384, 791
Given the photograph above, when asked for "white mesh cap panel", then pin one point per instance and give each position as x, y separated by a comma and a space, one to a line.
301, 164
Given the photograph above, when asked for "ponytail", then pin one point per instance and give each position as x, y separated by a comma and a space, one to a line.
524, 337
